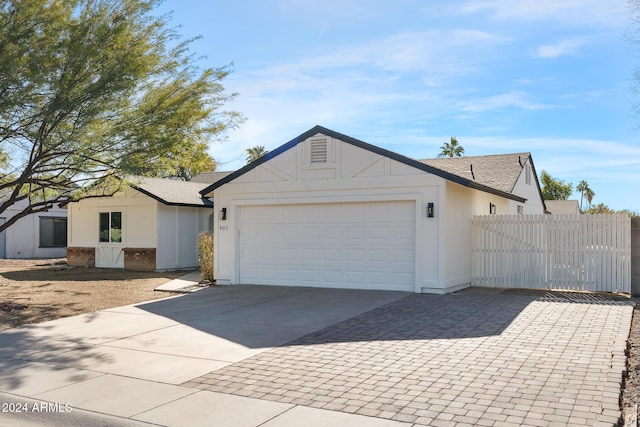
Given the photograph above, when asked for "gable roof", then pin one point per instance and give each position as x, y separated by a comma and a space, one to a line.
171, 192
438, 171
209, 177
562, 206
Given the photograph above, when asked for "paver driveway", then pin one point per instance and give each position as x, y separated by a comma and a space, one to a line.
476, 358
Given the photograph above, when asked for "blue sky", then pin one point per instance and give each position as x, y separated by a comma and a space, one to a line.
553, 77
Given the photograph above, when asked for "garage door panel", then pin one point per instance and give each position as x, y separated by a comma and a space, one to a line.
329, 276
359, 255
378, 255
354, 245
355, 233
332, 233
402, 256
332, 254
379, 232
289, 274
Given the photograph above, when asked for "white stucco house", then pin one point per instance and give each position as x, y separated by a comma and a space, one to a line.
152, 225
328, 210
39, 235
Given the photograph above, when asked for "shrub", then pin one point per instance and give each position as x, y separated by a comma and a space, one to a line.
205, 255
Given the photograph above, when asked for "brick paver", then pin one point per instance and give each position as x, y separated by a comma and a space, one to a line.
475, 359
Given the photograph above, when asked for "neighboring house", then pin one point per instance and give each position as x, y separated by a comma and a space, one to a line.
558, 207
39, 235
209, 177
329, 210
151, 225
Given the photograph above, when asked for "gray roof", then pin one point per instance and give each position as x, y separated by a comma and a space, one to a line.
209, 177
499, 171
562, 206
171, 192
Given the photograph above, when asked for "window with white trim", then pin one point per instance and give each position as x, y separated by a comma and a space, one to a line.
111, 227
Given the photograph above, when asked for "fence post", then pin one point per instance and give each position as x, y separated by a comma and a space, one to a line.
635, 256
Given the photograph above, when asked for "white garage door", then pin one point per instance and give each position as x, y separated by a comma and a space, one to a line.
341, 245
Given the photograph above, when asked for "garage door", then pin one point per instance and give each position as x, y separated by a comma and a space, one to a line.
342, 245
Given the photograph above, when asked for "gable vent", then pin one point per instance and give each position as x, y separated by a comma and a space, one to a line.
319, 150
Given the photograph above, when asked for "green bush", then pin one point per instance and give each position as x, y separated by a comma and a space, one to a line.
205, 255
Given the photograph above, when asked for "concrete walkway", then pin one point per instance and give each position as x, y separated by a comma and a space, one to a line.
353, 358
183, 284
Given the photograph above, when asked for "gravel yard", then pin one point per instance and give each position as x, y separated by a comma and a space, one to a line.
34, 291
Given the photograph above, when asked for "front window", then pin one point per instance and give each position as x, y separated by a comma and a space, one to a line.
111, 227
53, 232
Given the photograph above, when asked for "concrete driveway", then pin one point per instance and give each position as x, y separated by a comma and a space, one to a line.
277, 356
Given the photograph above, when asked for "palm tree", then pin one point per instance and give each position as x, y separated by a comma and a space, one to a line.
582, 187
589, 195
451, 149
254, 153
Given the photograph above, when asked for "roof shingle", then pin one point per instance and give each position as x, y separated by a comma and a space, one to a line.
499, 171
171, 192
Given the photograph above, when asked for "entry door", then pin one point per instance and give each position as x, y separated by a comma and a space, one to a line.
109, 253
340, 245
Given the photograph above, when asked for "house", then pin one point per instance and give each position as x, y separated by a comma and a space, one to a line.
38, 235
328, 210
562, 207
151, 225
209, 177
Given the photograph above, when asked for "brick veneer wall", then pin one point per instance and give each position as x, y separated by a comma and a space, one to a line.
81, 257
140, 259
635, 256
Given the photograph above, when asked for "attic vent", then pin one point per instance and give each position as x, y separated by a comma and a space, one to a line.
527, 176
319, 150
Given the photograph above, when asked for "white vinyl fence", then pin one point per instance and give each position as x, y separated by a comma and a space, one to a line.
574, 252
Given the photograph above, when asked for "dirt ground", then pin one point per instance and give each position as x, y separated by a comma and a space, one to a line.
34, 291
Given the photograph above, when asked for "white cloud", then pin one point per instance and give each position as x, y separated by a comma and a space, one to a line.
568, 12
562, 48
438, 53
498, 102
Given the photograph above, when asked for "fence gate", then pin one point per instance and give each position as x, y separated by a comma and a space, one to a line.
575, 252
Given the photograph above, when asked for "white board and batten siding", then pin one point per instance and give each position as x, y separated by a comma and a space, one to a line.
177, 233
572, 252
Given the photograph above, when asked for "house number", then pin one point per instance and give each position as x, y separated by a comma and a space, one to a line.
224, 227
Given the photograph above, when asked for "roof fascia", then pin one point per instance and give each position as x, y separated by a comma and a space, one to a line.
366, 146
207, 202
535, 174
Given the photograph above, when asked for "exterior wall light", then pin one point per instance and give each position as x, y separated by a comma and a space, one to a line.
430, 210
223, 214
492, 208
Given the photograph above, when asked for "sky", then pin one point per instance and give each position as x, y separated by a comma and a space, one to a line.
551, 77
